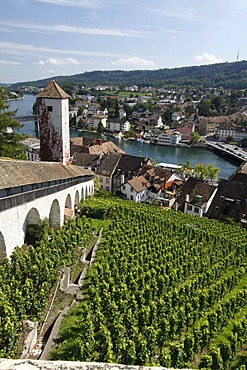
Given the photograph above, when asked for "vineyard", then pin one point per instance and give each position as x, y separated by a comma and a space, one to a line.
26, 280
166, 289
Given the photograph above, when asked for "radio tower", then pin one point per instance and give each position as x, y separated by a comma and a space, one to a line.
237, 56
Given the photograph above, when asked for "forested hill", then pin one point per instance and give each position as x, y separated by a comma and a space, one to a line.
228, 75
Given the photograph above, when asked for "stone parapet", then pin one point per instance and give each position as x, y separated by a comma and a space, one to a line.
68, 365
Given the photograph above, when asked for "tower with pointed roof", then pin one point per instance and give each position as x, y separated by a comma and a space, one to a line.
53, 119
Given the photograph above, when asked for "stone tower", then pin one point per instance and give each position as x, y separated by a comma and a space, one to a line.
53, 120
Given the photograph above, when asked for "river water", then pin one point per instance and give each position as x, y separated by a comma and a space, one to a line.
159, 153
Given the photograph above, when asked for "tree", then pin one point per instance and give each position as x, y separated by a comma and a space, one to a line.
195, 137
204, 108
9, 137
212, 171
200, 171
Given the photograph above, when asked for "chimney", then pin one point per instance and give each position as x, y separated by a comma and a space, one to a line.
99, 141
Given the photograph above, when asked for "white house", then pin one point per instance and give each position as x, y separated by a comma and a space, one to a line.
177, 116
135, 189
122, 113
160, 123
32, 146
169, 137
196, 197
118, 125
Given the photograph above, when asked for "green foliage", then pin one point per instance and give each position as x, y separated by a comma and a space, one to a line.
226, 75
27, 278
160, 292
195, 137
9, 137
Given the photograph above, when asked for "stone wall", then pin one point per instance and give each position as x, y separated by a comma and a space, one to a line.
67, 365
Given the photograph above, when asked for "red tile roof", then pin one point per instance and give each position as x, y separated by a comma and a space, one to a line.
53, 91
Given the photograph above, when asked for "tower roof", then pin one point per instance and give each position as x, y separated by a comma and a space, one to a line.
53, 91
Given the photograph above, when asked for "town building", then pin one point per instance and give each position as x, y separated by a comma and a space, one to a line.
53, 120
186, 128
169, 137
32, 147
116, 124
195, 197
153, 184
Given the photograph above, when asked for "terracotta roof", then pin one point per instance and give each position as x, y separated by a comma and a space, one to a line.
106, 148
93, 146
138, 183
156, 172
17, 173
53, 91
244, 168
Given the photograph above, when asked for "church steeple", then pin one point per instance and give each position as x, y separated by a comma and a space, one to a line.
53, 118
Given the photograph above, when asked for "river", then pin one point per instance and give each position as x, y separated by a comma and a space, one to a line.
159, 153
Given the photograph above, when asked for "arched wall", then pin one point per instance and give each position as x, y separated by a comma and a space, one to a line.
3, 253
68, 203
54, 215
13, 220
33, 217
77, 198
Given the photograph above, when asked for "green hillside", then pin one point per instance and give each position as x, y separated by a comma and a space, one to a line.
228, 75
166, 289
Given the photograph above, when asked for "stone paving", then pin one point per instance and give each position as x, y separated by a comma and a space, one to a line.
68, 365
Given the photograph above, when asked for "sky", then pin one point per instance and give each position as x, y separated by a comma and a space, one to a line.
46, 38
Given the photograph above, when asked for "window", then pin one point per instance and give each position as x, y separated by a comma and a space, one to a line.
124, 187
50, 108
101, 179
131, 189
189, 207
196, 209
107, 180
131, 197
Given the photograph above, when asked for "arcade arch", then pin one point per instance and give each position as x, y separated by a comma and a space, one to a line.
68, 202
77, 198
54, 215
32, 219
3, 253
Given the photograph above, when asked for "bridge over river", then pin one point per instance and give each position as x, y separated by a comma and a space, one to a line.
229, 150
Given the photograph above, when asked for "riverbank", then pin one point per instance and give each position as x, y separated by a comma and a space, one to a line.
160, 153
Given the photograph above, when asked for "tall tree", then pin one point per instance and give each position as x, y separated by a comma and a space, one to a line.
9, 137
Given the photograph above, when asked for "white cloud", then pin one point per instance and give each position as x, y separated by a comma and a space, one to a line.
58, 62
134, 62
91, 4
78, 30
72, 61
206, 58
27, 50
8, 62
